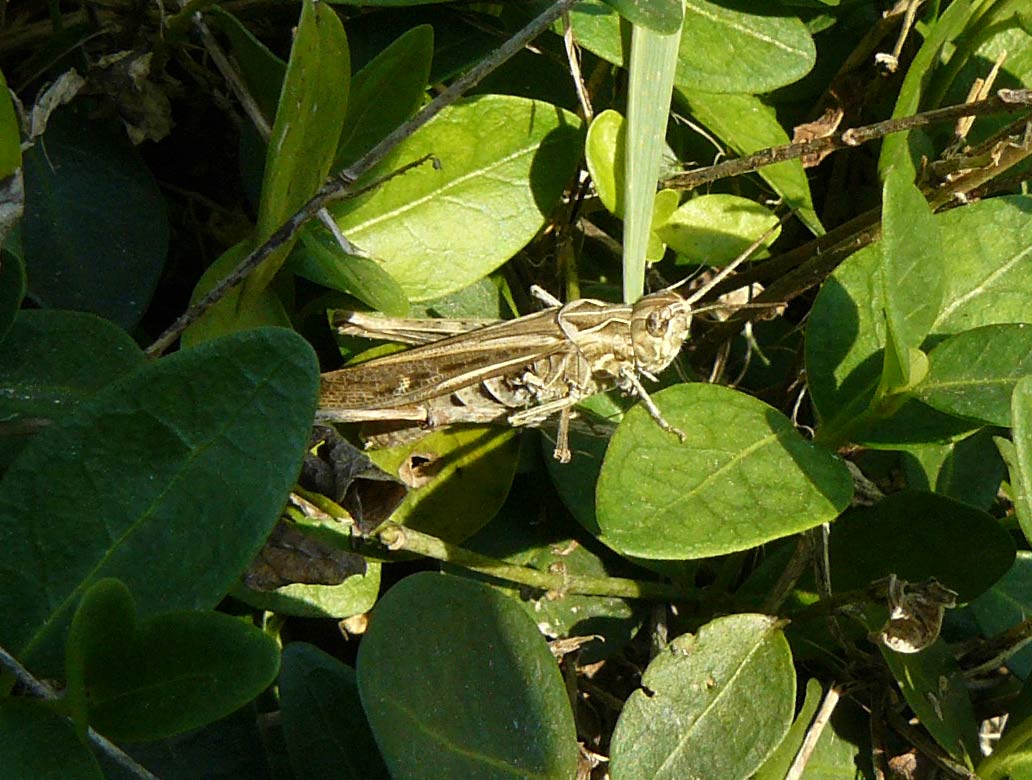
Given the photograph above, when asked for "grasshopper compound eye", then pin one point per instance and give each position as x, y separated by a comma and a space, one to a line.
657, 322
659, 325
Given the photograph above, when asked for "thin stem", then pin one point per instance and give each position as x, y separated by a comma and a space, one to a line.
396, 537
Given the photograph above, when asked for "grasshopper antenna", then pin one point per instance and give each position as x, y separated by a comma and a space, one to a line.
730, 267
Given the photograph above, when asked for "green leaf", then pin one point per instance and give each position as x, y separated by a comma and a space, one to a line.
896, 148
323, 722
175, 672
385, 92
230, 314
663, 208
504, 164
987, 278
912, 282
605, 149
935, 689
917, 535
169, 480
715, 229
722, 49
973, 374
36, 742
747, 125
742, 477
650, 84
10, 134
12, 291
458, 478
662, 16
1012, 755
106, 261
1004, 605
309, 117
262, 70
355, 596
320, 259
457, 682
1018, 454
843, 746
736, 670
777, 764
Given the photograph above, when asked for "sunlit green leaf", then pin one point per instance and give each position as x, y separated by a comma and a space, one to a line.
737, 669
742, 476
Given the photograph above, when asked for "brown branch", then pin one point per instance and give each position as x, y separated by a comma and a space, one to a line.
1005, 101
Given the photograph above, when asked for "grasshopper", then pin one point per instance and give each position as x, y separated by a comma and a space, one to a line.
519, 371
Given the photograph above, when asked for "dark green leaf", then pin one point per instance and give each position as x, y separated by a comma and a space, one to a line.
102, 626
177, 671
169, 480
736, 670
504, 163
52, 361
459, 655
77, 255
742, 477
915, 536
12, 290
35, 742
323, 722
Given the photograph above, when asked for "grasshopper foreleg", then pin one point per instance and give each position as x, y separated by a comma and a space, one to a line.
639, 390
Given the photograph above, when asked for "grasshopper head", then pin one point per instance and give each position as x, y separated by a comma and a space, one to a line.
659, 326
